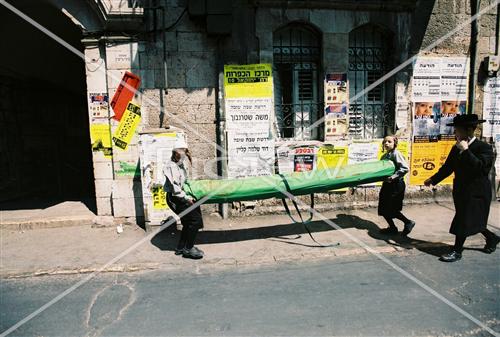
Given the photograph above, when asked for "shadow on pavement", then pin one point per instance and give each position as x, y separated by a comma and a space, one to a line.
167, 239
352, 221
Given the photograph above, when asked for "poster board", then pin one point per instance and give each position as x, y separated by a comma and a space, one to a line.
248, 103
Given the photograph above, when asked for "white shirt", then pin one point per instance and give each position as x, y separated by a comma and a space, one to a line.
176, 175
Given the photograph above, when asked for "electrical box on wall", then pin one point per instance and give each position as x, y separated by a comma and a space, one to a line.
492, 64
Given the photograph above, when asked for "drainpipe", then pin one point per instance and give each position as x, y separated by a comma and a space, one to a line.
163, 91
497, 39
473, 55
220, 123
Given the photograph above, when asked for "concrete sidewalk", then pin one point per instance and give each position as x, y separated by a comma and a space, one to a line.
249, 241
50, 215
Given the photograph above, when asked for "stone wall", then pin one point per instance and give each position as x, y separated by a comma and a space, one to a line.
180, 69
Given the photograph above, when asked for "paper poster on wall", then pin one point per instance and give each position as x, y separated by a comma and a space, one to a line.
335, 127
248, 103
426, 121
304, 158
454, 73
439, 94
250, 80
454, 81
427, 79
98, 104
361, 152
336, 106
100, 135
127, 127
426, 159
250, 154
284, 154
159, 198
491, 107
155, 150
248, 114
332, 156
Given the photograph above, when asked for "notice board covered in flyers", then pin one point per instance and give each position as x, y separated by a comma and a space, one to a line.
439, 94
248, 102
491, 108
336, 106
155, 149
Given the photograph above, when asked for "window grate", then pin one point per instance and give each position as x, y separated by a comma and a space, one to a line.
368, 62
296, 53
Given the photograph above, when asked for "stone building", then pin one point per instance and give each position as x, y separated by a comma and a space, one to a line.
179, 48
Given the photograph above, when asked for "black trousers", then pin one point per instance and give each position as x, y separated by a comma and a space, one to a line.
460, 240
191, 221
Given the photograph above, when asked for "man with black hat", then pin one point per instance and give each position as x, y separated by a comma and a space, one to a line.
471, 160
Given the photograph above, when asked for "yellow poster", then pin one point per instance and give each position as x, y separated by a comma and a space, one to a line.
100, 136
159, 198
426, 159
126, 129
251, 80
331, 157
443, 151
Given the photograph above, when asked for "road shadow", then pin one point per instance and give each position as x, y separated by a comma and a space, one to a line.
167, 239
406, 242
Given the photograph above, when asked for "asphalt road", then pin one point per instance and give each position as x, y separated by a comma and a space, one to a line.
351, 296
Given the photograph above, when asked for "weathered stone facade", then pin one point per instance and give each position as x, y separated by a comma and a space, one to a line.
180, 74
179, 57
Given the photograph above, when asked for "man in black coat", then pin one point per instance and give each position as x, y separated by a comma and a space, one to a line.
471, 160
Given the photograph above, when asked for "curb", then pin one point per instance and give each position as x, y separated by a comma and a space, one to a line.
225, 263
47, 223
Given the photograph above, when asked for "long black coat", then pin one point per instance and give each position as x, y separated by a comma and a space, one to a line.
471, 186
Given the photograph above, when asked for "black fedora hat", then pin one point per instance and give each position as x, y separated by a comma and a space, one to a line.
466, 120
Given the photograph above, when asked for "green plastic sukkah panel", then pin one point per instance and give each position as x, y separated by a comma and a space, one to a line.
299, 183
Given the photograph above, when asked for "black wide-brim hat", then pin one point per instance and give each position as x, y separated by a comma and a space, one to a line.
466, 120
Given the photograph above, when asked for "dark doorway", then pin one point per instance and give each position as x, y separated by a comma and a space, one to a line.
44, 128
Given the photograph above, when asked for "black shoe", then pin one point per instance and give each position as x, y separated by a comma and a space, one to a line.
193, 253
179, 251
408, 227
451, 257
389, 231
491, 244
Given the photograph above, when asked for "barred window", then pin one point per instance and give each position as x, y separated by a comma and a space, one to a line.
370, 112
296, 50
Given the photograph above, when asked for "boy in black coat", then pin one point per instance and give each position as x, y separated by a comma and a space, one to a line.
471, 160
